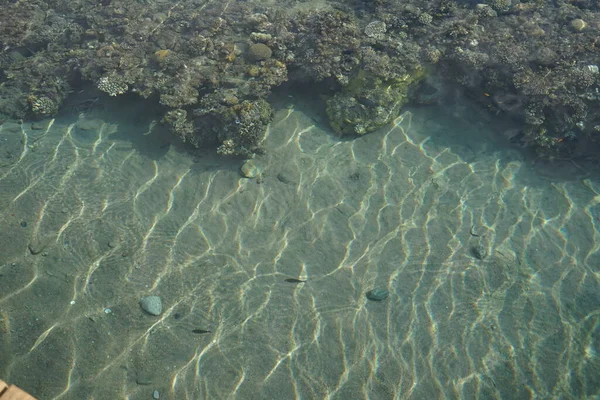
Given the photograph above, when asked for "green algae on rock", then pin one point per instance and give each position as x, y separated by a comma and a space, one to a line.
259, 52
369, 102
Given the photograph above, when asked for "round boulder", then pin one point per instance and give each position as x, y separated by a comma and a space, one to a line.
259, 52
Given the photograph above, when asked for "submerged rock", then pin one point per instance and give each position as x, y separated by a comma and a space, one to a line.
369, 102
151, 304
480, 251
378, 294
259, 52
250, 169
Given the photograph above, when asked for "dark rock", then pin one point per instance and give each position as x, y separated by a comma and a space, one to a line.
479, 251
378, 294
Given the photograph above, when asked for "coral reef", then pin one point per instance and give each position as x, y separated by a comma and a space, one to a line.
112, 85
212, 65
369, 102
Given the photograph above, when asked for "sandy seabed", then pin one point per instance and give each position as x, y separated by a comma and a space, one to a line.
102, 209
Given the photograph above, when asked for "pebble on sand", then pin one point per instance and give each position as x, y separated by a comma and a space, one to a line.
480, 251
377, 294
250, 169
151, 304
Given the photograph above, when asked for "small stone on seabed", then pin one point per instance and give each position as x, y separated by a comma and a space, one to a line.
479, 251
578, 24
250, 169
377, 294
151, 304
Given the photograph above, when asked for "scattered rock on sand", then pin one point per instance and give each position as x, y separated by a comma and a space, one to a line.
377, 294
151, 304
250, 169
479, 251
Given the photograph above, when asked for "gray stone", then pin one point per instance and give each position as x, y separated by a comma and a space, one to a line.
250, 169
480, 251
378, 294
151, 304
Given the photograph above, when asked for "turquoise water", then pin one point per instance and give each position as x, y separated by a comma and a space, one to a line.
489, 255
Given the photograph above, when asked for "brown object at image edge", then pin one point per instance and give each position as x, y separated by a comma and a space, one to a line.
13, 392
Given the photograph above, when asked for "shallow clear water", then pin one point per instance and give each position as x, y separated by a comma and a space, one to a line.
102, 209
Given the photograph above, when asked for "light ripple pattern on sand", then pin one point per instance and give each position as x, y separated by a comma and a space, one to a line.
96, 218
